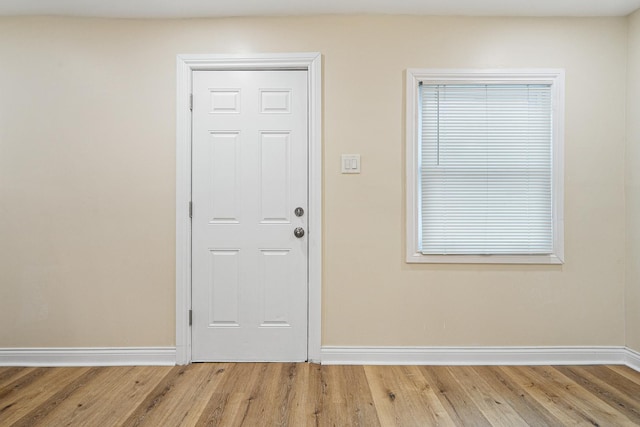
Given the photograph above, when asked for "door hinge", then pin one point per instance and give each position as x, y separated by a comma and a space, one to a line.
191, 102
190, 317
190, 209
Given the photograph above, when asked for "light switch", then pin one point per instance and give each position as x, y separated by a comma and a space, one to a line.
351, 163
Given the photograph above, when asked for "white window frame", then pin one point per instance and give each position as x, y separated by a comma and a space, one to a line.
555, 77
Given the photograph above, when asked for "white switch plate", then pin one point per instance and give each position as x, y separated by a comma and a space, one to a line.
351, 163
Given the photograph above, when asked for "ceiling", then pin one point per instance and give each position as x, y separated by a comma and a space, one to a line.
221, 8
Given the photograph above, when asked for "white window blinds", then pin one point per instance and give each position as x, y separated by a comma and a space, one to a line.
485, 167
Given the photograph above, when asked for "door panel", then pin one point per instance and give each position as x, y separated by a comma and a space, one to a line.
224, 282
249, 271
276, 271
275, 178
224, 154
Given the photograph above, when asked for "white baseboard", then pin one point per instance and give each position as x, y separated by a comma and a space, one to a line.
613, 355
91, 356
334, 355
632, 359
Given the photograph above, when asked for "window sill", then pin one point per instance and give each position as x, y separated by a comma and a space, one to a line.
418, 258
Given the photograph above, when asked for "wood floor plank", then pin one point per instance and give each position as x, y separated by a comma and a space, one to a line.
302, 411
455, 400
179, 398
246, 397
11, 373
626, 372
212, 413
125, 396
346, 398
28, 397
579, 397
314, 402
35, 416
122, 387
21, 383
233, 402
403, 397
621, 382
271, 398
218, 401
6, 368
77, 408
259, 395
517, 397
553, 401
603, 391
494, 408
232, 393
212, 375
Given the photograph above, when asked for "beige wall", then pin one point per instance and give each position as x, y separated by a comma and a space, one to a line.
633, 185
87, 180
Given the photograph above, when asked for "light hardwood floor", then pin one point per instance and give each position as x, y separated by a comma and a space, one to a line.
279, 394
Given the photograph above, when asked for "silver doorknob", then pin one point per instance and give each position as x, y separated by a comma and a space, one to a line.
298, 232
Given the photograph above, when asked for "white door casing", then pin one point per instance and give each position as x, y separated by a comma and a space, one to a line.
186, 66
249, 176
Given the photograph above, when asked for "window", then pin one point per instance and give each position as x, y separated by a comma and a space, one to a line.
484, 166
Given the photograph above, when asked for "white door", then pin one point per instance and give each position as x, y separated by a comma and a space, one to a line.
249, 269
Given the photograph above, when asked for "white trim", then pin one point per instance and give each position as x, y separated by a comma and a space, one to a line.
413, 77
632, 359
315, 208
91, 356
613, 355
186, 64
334, 355
183, 222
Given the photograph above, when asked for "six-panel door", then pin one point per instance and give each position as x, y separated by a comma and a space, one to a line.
249, 280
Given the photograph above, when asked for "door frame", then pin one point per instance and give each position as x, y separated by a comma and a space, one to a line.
186, 65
